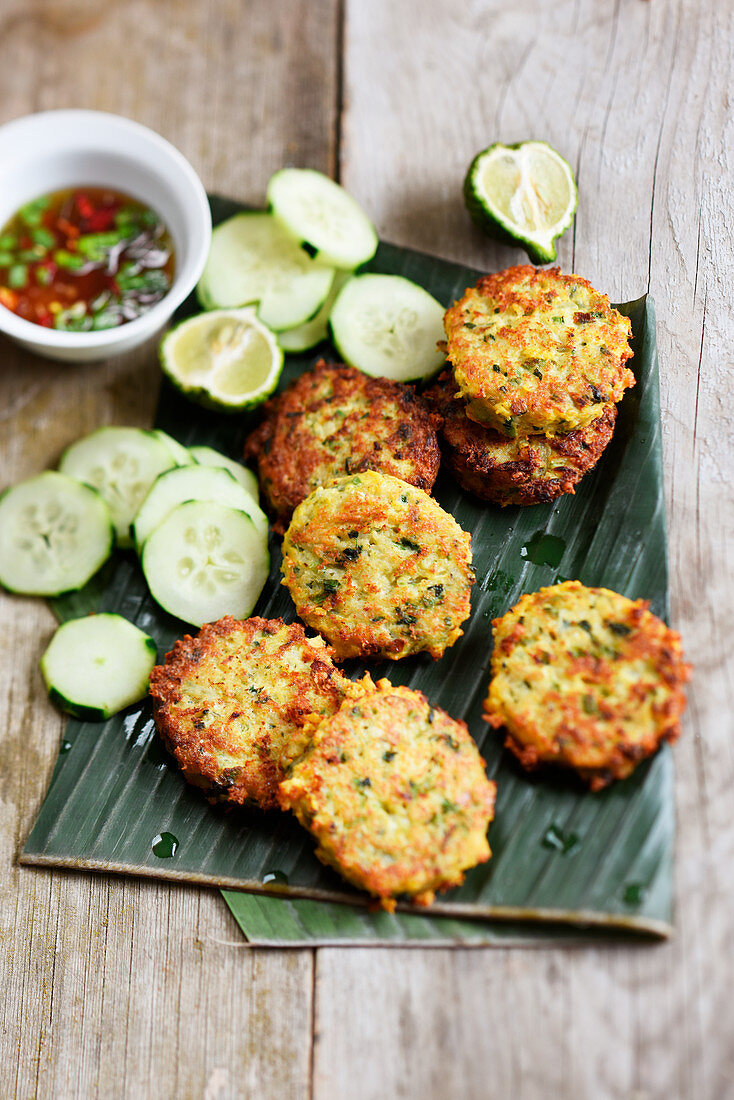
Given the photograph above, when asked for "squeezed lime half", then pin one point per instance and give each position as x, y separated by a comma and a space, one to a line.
522, 194
225, 359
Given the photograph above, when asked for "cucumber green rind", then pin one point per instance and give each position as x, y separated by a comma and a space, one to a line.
84, 714
204, 298
493, 225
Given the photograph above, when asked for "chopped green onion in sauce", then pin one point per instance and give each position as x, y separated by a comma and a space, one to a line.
84, 259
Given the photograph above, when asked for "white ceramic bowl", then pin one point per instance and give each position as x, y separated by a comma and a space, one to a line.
58, 149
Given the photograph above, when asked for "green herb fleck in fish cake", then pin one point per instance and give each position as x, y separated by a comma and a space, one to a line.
586, 678
532, 469
378, 568
537, 351
335, 420
395, 793
230, 703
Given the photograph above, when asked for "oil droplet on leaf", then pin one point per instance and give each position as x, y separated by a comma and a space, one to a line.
275, 876
498, 581
633, 893
544, 549
164, 845
561, 841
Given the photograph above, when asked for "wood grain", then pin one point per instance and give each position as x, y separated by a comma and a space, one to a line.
123, 988
109, 987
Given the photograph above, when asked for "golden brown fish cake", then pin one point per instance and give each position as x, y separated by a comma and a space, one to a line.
230, 703
586, 678
535, 351
335, 420
395, 793
378, 568
526, 470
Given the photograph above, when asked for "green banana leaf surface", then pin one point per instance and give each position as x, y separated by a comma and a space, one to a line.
567, 864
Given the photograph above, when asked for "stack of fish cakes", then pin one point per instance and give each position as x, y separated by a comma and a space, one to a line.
539, 364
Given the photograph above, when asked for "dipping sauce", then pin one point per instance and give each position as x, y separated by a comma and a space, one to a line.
84, 259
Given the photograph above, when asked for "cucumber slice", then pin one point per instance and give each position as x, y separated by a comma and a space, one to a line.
54, 535
180, 455
207, 456
322, 215
173, 487
388, 327
305, 337
224, 359
122, 463
98, 665
252, 259
205, 560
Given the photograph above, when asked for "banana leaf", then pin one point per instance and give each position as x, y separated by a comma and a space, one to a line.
567, 864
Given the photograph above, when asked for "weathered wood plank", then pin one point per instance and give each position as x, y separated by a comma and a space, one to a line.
111, 987
635, 96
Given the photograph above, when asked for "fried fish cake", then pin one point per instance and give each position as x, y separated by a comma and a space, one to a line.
395, 793
378, 568
231, 702
335, 420
586, 678
526, 470
537, 351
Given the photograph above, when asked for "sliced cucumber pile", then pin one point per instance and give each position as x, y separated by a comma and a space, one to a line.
388, 327
54, 535
319, 213
98, 665
207, 456
253, 260
122, 463
290, 262
184, 483
205, 560
197, 526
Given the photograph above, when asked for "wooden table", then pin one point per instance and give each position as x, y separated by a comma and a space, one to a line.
121, 988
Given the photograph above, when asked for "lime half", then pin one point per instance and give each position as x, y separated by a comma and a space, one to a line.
224, 359
522, 194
